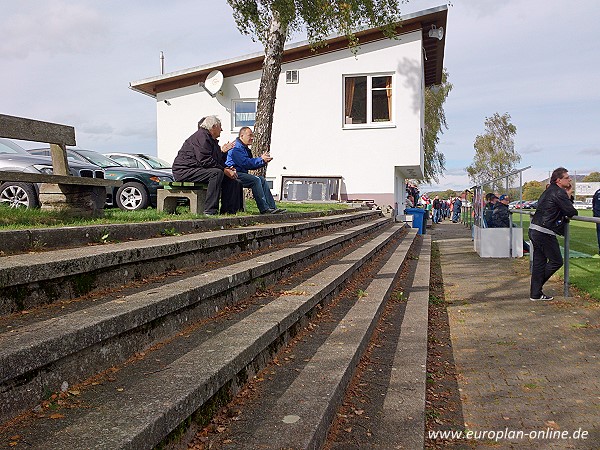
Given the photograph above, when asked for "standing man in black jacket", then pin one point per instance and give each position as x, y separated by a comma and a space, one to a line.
554, 206
596, 210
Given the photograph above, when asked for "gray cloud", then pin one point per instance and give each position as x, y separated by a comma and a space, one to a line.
590, 151
52, 27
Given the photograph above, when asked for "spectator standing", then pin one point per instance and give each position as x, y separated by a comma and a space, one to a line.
201, 160
596, 211
554, 207
437, 209
456, 206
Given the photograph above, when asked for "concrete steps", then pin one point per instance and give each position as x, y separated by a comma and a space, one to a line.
165, 357
33, 279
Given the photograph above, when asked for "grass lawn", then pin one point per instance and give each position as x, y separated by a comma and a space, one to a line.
21, 218
584, 273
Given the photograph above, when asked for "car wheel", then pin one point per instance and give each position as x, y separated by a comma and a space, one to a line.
132, 196
18, 195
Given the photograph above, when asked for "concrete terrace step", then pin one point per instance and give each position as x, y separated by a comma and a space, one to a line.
302, 415
156, 402
21, 241
29, 280
43, 354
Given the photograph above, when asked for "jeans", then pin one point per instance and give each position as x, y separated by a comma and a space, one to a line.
260, 190
547, 259
436, 216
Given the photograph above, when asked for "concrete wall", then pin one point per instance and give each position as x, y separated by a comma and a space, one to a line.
309, 135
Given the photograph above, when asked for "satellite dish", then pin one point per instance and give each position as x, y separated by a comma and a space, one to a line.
213, 82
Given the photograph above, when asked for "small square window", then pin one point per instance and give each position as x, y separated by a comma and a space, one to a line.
291, 76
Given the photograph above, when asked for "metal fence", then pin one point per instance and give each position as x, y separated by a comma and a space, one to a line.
567, 239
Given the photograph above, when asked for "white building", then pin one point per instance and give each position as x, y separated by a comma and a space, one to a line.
345, 127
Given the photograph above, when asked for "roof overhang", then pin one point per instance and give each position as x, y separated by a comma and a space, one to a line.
421, 21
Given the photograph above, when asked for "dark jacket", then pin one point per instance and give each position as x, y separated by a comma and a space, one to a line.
553, 206
500, 216
596, 203
488, 210
199, 151
240, 157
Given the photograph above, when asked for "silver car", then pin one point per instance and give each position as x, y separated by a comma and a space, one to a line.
140, 161
16, 159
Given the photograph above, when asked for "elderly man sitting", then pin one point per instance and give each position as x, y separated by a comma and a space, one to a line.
240, 157
201, 160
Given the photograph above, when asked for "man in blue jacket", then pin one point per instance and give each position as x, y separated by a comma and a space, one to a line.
240, 157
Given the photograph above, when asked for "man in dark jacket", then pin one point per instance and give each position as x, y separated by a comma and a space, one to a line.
554, 206
596, 211
241, 159
201, 160
500, 214
488, 209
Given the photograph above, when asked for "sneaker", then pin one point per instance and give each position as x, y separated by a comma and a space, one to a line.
279, 210
269, 211
544, 297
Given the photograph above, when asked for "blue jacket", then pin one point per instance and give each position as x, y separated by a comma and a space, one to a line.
240, 157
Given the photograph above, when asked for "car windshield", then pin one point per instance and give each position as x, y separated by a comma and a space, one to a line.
155, 162
98, 159
8, 147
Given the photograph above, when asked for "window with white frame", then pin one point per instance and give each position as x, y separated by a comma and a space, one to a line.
291, 77
243, 113
368, 99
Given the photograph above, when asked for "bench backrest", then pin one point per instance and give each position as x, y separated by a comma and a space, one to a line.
58, 136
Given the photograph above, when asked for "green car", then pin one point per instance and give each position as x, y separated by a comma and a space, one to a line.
138, 190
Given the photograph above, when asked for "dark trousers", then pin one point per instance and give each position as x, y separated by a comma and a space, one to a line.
212, 177
598, 235
232, 196
547, 259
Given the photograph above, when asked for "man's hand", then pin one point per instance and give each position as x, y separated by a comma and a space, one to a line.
230, 172
227, 146
266, 157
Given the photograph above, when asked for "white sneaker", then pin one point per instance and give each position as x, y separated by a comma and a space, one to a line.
542, 298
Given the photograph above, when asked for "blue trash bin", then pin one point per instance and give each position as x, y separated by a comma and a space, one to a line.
419, 220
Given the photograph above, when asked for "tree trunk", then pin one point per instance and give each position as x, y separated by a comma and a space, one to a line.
268, 88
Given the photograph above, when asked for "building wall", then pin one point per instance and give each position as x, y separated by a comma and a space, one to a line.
309, 138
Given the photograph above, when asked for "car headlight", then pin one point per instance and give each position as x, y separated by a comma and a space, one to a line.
47, 170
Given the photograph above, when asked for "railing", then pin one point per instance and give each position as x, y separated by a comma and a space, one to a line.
567, 238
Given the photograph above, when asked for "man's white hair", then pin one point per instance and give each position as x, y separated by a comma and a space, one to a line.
209, 122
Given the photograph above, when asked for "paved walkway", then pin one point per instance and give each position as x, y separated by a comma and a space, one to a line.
530, 367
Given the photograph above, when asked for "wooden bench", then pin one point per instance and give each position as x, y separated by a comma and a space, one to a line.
166, 198
77, 195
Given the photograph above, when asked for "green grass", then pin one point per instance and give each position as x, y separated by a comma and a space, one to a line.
583, 272
21, 218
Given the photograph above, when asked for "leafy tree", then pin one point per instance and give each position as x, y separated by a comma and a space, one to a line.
533, 189
594, 176
435, 122
272, 21
495, 153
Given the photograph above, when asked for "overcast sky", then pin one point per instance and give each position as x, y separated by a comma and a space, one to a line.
538, 60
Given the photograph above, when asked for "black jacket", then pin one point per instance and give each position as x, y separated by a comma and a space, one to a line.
596, 203
500, 217
199, 151
553, 206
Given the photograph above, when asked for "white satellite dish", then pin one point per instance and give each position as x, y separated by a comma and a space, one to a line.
213, 82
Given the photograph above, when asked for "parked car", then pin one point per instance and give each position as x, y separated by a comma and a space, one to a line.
530, 204
582, 205
138, 190
14, 158
140, 161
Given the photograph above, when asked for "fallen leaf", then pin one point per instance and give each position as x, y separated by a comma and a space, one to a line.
348, 430
227, 441
56, 416
359, 412
74, 392
221, 429
120, 389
